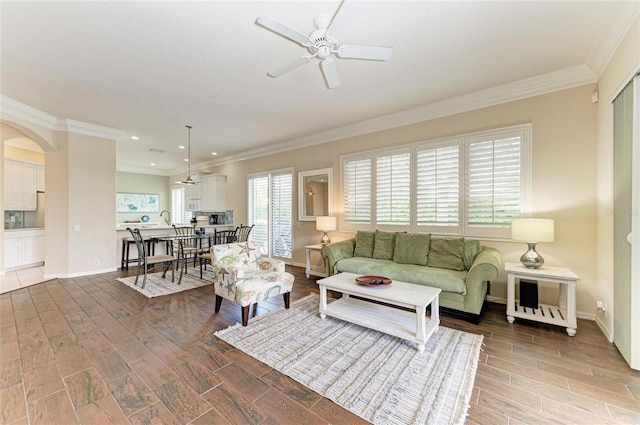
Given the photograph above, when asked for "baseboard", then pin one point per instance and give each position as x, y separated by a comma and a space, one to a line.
86, 273
606, 331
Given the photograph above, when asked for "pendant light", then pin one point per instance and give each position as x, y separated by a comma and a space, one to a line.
189, 180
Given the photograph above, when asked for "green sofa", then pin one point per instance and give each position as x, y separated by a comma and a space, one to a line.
460, 267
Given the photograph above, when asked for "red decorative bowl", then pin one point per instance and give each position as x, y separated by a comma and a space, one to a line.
373, 280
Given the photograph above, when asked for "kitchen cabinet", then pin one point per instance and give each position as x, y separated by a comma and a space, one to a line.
40, 178
23, 248
214, 193
20, 185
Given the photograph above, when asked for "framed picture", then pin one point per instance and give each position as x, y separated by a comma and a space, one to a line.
137, 202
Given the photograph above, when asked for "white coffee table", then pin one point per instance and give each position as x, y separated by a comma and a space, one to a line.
413, 326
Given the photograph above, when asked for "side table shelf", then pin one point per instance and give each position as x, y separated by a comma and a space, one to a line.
563, 314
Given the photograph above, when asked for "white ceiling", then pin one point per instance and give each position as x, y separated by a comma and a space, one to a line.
149, 68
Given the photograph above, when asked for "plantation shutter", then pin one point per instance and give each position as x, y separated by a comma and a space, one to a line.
438, 188
258, 211
494, 182
393, 189
357, 192
281, 214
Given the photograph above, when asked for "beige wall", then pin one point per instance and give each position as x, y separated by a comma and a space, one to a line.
144, 183
624, 64
564, 176
23, 154
80, 182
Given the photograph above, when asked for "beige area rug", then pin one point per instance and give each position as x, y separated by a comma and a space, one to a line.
157, 285
380, 378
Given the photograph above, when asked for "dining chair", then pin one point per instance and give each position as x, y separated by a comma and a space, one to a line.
147, 262
224, 236
242, 233
190, 247
220, 237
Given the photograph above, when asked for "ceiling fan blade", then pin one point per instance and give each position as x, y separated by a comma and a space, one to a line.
374, 53
289, 66
330, 72
345, 14
283, 29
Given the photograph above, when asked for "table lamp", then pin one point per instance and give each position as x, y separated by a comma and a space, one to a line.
532, 231
325, 224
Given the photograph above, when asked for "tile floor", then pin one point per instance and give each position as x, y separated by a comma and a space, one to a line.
13, 280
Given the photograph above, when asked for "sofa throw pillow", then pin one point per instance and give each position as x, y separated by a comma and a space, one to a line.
384, 245
364, 244
471, 248
446, 253
411, 249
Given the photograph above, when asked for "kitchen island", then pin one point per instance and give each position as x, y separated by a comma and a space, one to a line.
151, 229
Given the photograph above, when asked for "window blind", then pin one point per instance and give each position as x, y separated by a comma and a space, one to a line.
438, 186
393, 189
281, 214
357, 191
269, 206
493, 197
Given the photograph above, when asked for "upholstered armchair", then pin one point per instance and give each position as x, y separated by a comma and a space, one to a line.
241, 275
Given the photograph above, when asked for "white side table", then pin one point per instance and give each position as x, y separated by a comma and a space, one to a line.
563, 314
315, 271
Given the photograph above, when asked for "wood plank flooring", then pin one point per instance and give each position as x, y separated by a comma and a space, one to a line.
91, 350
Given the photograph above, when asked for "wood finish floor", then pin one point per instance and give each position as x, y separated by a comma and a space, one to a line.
90, 350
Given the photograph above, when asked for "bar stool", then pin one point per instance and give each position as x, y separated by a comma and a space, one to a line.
150, 241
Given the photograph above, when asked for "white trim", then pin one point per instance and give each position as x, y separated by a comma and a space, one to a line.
605, 47
547, 83
20, 110
28, 113
88, 129
78, 274
634, 343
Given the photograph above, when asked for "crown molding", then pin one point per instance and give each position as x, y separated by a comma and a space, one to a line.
607, 44
28, 113
35, 116
88, 129
554, 81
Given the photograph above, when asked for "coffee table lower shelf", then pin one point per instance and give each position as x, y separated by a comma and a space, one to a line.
392, 321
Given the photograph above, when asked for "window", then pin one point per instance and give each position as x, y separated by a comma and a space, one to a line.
178, 213
270, 201
468, 185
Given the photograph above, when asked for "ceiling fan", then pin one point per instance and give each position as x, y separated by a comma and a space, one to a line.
324, 42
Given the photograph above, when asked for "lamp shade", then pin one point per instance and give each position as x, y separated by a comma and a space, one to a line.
532, 229
325, 223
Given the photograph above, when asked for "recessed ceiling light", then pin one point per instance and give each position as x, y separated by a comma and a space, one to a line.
186, 160
214, 153
153, 164
180, 147
135, 138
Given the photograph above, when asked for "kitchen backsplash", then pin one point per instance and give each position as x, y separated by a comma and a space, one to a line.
20, 220
224, 217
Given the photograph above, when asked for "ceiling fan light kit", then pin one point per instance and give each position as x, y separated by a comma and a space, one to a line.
323, 43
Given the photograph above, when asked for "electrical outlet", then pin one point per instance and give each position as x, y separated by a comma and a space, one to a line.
96, 261
13, 218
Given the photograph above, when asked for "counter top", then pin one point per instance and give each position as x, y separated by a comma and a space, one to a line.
142, 226
25, 229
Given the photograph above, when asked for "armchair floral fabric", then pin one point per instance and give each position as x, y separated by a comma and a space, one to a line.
242, 276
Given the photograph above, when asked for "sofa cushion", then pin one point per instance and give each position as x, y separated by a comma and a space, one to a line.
447, 280
412, 248
364, 244
384, 245
446, 253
